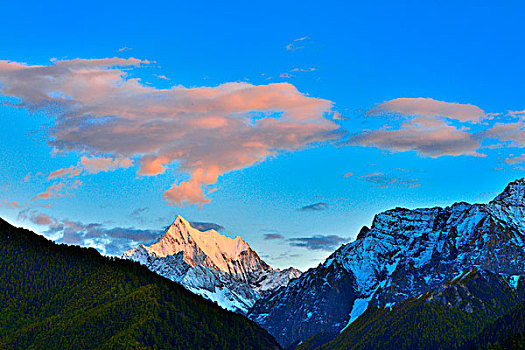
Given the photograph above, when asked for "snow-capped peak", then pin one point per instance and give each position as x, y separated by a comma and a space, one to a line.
208, 248
215, 266
509, 205
513, 195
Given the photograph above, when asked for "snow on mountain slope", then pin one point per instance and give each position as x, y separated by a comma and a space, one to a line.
405, 253
217, 267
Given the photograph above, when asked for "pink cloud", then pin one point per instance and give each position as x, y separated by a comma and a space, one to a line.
11, 205
163, 77
371, 175
515, 160
152, 165
508, 132
205, 131
37, 218
72, 171
98, 164
51, 191
428, 107
431, 128
57, 190
43, 219
517, 114
433, 141
190, 191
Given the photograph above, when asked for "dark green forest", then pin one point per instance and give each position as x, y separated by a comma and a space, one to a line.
66, 297
506, 332
497, 322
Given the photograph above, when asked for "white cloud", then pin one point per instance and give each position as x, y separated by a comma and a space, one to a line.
297, 44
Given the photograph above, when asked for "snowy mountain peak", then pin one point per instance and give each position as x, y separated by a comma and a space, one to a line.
513, 194
208, 248
181, 222
215, 266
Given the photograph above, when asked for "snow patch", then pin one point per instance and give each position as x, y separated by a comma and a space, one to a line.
514, 281
359, 307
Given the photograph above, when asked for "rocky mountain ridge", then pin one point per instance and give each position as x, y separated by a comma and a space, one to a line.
404, 254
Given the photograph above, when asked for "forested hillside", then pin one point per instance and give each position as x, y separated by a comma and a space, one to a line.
461, 314
66, 297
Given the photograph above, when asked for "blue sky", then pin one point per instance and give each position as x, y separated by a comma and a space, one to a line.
290, 125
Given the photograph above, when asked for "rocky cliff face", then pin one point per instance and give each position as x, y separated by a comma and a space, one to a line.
227, 271
405, 253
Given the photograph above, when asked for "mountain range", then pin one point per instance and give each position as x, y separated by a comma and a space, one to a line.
433, 278
225, 270
468, 258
